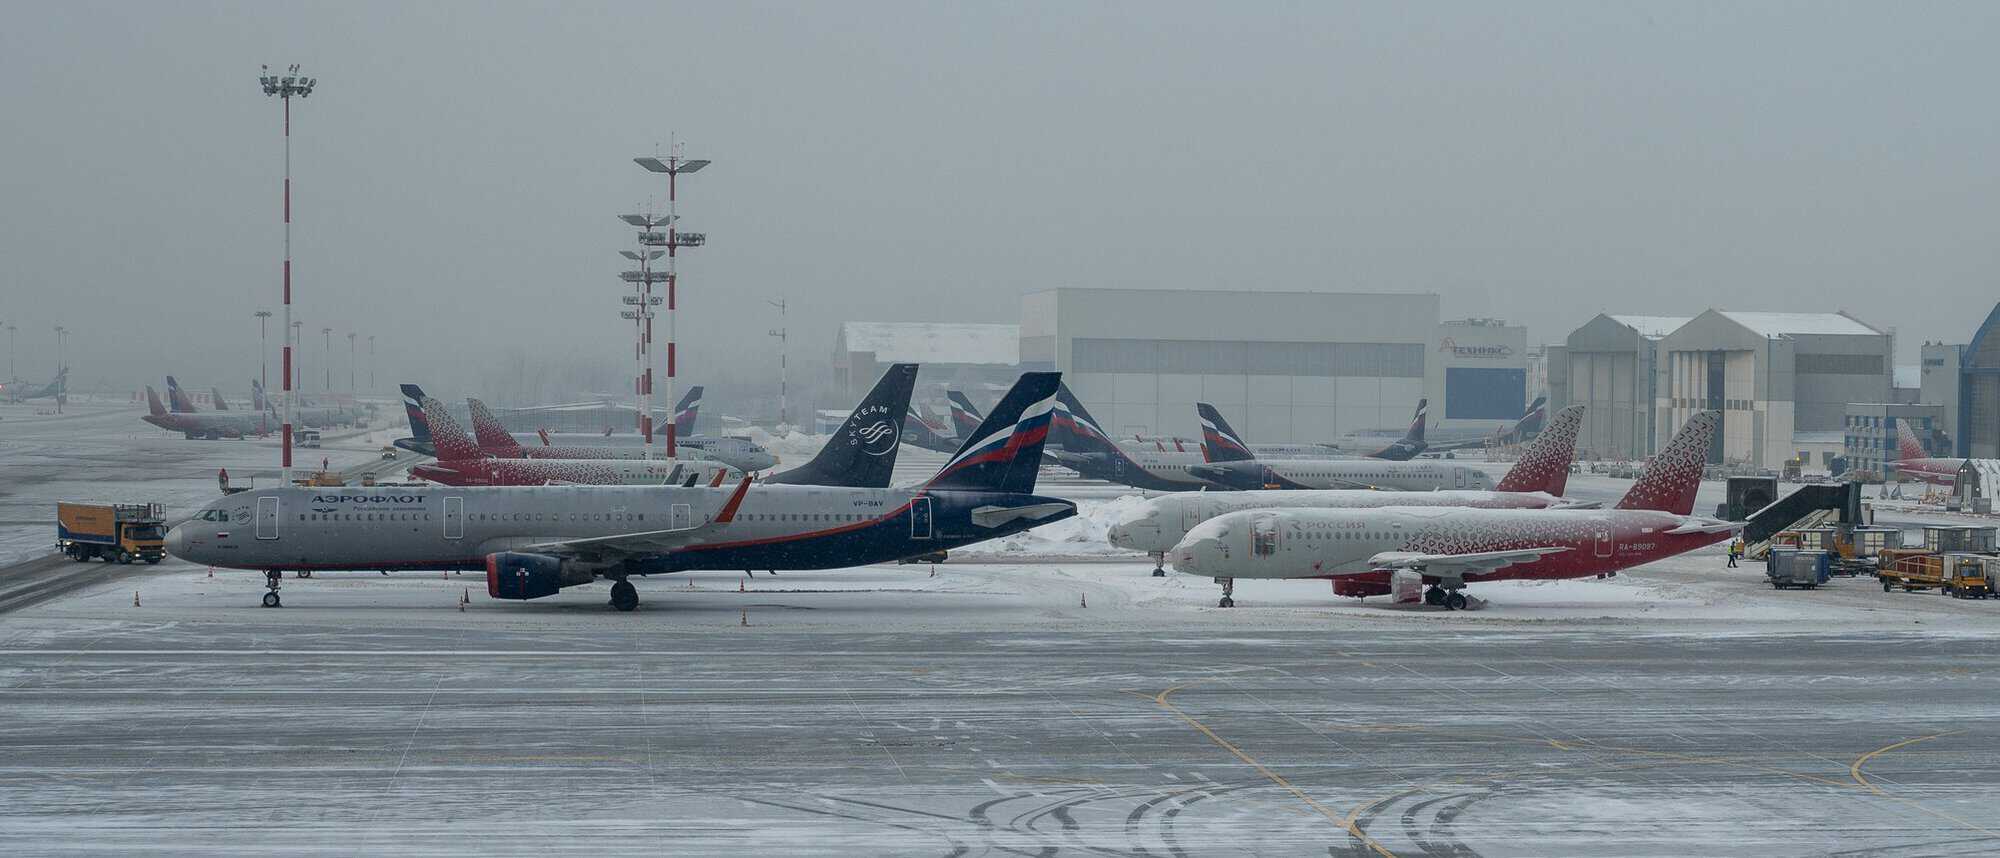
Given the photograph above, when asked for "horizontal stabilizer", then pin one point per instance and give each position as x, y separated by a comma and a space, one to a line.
1697, 524
996, 516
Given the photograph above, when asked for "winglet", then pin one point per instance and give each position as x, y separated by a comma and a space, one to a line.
728, 513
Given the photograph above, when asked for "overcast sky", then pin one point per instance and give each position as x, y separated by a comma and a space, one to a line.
460, 168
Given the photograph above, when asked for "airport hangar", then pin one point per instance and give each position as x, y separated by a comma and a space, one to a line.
1283, 366
1965, 379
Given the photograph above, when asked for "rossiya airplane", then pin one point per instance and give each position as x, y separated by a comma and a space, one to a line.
1228, 463
533, 542
210, 425
1359, 549
1915, 461
493, 440
460, 462
1537, 481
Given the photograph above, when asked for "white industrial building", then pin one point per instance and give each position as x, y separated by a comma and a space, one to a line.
1772, 375
951, 354
1283, 366
1611, 365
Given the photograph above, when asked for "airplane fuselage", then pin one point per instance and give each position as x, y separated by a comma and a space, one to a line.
433, 528
1416, 476
1158, 525
589, 472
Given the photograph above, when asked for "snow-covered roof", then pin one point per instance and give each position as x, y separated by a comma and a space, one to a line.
1652, 327
934, 342
1909, 376
1782, 324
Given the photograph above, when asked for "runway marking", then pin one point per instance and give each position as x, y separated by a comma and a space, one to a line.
1345, 825
1855, 770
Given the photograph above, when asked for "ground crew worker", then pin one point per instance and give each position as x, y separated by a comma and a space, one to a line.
222, 476
1735, 551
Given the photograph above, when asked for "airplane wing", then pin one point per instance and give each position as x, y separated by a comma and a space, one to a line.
1460, 565
645, 542
1697, 524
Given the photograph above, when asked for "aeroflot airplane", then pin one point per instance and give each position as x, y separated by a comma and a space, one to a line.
460, 462
1230, 464
533, 542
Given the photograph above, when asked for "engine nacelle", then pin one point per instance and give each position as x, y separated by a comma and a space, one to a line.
520, 575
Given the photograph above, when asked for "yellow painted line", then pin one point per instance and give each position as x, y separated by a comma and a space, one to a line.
1855, 770
1346, 825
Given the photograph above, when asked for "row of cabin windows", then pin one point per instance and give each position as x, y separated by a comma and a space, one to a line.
556, 516
365, 516
1345, 534
805, 516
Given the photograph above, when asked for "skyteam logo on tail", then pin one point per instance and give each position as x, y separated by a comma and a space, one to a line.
874, 430
1002, 446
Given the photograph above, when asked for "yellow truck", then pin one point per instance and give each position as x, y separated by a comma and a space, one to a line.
1958, 575
120, 532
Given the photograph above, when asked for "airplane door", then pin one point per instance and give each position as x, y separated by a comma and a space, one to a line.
454, 518
920, 518
1264, 537
681, 516
1458, 476
1606, 543
267, 518
1191, 515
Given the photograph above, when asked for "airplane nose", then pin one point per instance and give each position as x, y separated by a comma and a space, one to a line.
1186, 557
176, 541
1119, 536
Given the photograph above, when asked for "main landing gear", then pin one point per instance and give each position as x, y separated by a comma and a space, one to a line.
1451, 600
272, 579
624, 596
1228, 592
1160, 565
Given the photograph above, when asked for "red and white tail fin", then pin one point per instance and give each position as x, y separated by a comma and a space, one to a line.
544, 435
153, 403
487, 431
452, 444
1545, 465
1907, 445
1673, 477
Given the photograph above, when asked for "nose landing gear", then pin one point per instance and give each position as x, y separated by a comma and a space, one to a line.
1160, 564
1228, 592
272, 579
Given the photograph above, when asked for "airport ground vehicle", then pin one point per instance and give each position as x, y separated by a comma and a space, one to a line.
308, 439
1805, 568
121, 532
1971, 576
1852, 550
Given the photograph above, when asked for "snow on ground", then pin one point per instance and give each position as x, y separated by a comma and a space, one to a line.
1081, 535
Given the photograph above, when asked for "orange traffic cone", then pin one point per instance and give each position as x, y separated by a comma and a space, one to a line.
745, 619
739, 587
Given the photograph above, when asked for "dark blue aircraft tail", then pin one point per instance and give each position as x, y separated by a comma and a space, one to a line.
1005, 453
686, 411
1074, 430
965, 419
862, 454
1219, 442
413, 405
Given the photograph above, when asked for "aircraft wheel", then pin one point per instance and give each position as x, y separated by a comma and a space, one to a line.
1434, 596
304, 573
624, 596
1159, 572
271, 601
1887, 587
124, 558
1226, 603
1454, 601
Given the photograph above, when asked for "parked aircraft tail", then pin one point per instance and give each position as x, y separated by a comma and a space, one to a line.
453, 445
862, 454
221, 402
965, 419
413, 406
1532, 422
1075, 430
177, 399
488, 432
1908, 446
258, 400
1219, 442
1005, 453
1544, 466
153, 402
685, 412
1672, 478
1416, 430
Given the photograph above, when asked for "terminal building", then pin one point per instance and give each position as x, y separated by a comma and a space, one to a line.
1772, 375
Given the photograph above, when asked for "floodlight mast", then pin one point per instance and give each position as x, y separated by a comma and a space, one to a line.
285, 87
673, 165
642, 302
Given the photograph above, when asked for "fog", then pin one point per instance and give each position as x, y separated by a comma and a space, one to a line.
461, 166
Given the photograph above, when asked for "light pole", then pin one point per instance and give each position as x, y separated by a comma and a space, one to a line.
326, 357
371, 363
284, 87
784, 349
60, 332
350, 363
10, 353
296, 374
642, 302
263, 353
673, 165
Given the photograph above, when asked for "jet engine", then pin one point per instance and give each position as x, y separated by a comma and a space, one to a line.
520, 575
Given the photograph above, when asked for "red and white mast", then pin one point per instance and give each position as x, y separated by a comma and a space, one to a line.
284, 87
674, 166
